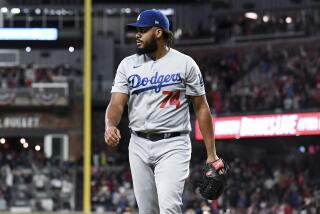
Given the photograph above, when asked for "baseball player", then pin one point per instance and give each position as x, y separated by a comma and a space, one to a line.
158, 83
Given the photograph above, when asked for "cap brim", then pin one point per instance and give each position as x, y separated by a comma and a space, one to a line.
136, 24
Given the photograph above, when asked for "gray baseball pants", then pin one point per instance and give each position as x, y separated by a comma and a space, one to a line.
159, 170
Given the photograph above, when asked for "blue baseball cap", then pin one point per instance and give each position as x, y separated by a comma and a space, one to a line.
150, 18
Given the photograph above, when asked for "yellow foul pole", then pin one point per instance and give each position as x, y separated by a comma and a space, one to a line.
87, 108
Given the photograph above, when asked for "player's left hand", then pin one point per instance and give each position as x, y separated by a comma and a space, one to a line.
214, 179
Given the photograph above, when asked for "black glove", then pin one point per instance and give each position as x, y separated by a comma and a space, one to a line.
214, 179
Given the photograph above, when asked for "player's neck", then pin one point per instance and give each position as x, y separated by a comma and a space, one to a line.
159, 53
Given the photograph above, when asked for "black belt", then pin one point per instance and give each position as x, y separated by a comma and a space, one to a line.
157, 136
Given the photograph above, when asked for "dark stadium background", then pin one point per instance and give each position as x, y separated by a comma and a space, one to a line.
257, 57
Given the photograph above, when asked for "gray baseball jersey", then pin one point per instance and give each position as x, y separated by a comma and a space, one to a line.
158, 91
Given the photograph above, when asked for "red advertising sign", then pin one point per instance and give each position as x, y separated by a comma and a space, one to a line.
271, 125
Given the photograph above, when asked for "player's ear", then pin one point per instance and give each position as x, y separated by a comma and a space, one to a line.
159, 32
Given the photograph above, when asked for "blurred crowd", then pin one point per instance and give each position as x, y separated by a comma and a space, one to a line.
23, 76
262, 187
272, 77
29, 181
266, 77
111, 186
266, 187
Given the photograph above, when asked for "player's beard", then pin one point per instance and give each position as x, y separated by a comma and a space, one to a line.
148, 47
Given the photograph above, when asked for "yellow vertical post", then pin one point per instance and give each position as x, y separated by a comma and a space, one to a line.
87, 108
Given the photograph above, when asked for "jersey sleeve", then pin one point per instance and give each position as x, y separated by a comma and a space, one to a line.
194, 80
120, 83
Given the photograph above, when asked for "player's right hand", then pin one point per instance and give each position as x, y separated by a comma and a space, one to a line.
112, 136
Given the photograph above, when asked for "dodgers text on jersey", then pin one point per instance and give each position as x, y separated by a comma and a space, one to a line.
140, 84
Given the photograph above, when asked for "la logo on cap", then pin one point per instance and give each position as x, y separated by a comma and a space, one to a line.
156, 22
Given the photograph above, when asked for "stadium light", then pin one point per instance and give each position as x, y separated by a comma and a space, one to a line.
64, 12
58, 12
71, 49
302, 149
23, 140
4, 10
15, 10
37, 11
52, 12
251, 15
25, 145
168, 11
288, 20
265, 18
37, 148
28, 49
2, 141
126, 10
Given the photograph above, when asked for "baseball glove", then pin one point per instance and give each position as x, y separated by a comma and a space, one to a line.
214, 179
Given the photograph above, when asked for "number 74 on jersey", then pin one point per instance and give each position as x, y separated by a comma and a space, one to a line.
171, 98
